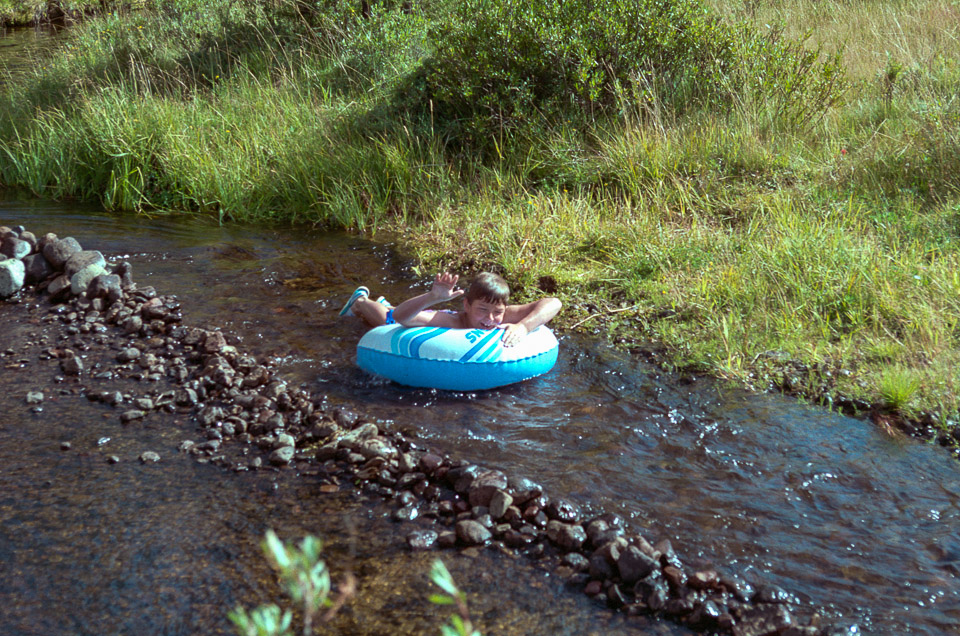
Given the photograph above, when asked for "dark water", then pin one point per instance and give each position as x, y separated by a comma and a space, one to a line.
827, 507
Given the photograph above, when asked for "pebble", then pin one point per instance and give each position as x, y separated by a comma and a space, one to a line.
149, 457
422, 539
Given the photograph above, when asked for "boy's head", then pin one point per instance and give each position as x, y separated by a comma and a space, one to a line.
486, 301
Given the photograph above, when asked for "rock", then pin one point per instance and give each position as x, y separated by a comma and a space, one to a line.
767, 620
772, 594
57, 252
577, 561
422, 539
14, 247
34, 397
567, 537
106, 286
113, 459
128, 355
12, 274
185, 397
469, 532
499, 503
377, 447
132, 325
36, 269
407, 513
59, 287
65, 446
131, 415
214, 342
149, 457
430, 462
82, 278
484, 486
71, 366
634, 565
30, 238
599, 567
524, 490
84, 258
282, 456
593, 588
561, 510
363, 432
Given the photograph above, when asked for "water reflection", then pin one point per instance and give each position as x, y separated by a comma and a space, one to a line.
825, 506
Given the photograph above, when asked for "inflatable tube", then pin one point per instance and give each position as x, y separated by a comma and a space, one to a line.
454, 359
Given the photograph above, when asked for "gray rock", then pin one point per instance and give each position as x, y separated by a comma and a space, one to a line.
485, 485
82, 259
127, 355
359, 434
14, 247
57, 252
106, 286
470, 532
34, 397
37, 268
634, 565
12, 275
131, 415
422, 539
377, 447
149, 457
30, 238
499, 503
82, 278
566, 536
71, 366
283, 455
285, 439
764, 620
59, 286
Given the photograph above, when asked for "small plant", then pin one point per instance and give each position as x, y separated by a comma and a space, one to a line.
897, 387
459, 624
306, 581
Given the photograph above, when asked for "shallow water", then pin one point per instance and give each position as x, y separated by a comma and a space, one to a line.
827, 507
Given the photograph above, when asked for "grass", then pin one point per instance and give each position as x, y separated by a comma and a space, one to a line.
820, 257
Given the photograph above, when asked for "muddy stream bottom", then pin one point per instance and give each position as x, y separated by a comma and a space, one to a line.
857, 525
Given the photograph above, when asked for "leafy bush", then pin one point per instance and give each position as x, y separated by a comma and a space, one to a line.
500, 66
499, 63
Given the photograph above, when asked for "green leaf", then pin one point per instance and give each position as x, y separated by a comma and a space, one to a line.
441, 577
441, 599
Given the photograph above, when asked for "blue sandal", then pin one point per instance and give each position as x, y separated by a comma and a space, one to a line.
357, 293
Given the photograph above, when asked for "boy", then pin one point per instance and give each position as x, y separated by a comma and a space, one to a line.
484, 307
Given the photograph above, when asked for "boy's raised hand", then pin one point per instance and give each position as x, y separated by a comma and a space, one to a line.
444, 287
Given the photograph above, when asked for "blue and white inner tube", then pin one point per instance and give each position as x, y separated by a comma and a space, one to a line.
455, 359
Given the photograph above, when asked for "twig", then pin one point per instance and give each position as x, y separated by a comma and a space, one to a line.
604, 313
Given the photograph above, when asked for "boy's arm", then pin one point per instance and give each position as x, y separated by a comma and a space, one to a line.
519, 320
410, 313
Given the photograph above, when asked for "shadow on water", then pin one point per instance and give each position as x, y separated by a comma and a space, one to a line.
825, 506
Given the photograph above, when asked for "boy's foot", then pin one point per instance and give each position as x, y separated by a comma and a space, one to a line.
383, 301
357, 293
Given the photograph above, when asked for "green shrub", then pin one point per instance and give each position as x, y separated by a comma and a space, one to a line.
497, 64
500, 67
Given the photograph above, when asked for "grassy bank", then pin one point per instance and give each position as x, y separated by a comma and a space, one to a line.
776, 211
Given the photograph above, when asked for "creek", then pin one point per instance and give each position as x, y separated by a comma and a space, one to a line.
856, 524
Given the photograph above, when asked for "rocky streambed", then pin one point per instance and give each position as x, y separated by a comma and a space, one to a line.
238, 413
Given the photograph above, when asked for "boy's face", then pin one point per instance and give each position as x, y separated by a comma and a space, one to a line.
482, 314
